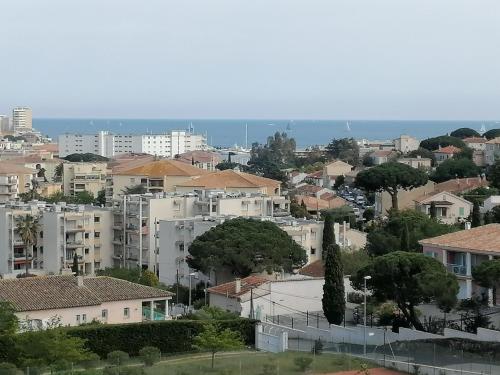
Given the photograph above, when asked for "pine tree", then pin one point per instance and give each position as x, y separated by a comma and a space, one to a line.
476, 215
333, 289
74, 267
405, 238
328, 235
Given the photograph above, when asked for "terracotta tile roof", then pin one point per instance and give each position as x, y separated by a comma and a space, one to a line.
199, 156
338, 162
327, 196
50, 147
313, 203
484, 238
307, 188
35, 159
125, 161
448, 150
474, 140
435, 197
229, 289
494, 141
13, 169
317, 174
460, 185
59, 292
381, 153
161, 168
230, 179
314, 269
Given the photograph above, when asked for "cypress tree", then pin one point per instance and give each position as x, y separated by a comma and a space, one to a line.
333, 290
476, 215
433, 210
74, 267
405, 238
328, 235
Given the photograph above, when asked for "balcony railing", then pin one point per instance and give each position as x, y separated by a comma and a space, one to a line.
457, 269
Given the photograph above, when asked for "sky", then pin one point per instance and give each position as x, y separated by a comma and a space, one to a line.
307, 59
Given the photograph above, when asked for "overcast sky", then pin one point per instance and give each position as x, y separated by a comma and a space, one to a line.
331, 59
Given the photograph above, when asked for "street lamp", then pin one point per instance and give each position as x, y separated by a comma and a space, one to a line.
190, 278
364, 325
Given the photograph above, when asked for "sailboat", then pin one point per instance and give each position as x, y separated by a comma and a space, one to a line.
288, 126
348, 126
483, 129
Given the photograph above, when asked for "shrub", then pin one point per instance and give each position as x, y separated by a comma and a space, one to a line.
150, 355
303, 363
172, 336
7, 368
91, 362
117, 357
355, 297
317, 347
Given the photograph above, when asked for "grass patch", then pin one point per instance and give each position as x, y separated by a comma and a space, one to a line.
254, 364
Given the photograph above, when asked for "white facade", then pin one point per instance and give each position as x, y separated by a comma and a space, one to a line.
490, 203
64, 231
5, 124
406, 143
22, 119
492, 151
108, 145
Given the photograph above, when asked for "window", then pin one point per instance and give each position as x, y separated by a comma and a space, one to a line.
86, 235
86, 251
126, 312
313, 251
97, 219
97, 234
78, 319
313, 235
84, 318
461, 212
104, 314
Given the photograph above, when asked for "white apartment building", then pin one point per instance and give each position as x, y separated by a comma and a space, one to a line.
65, 230
108, 145
14, 180
5, 124
136, 219
22, 119
84, 176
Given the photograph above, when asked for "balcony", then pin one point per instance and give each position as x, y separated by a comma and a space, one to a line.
74, 244
457, 269
280, 212
78, 228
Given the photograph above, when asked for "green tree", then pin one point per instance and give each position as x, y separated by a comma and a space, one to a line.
369, 214
352, 261
340, 214
476, 215
74, 268
299, 210
464, 133
339, 181
214, 341
149, 278
8, 319
495, 214
8, 369
87, 157
492, 133
28, 227
136, 189
133, 275
480, 194
433, 210
243, 246
83, 197
328, 234
30, 195
222, 166
423, 153
101, 198
150, 355
391, 177
409, 279
494, 174
487, 274
405, 238
452, 168
345, 149
434, 143
117, 358
58, 173
333, 300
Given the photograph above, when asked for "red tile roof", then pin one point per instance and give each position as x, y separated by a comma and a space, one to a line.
317, 174
474, 140
460, 185
229, 289
314, 269
448, 150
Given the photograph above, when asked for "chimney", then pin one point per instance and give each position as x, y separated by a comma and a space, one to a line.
79, 280
237, 285
468, 225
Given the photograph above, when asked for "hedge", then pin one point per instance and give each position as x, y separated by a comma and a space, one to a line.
172, 336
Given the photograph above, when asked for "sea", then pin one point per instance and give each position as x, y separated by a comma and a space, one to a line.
243, 132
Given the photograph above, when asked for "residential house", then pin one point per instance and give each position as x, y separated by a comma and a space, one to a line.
492, 152
296, 177
461, 251
382, 156
84, 176
45, 167
406, 198
206, 160
333, 170
315, 178
311, 190
490, 203
157, 176
450, 208
417, 163
231, 181
478, 146
406, 144
73, 301
445, 153
461, 185
315, 205
14, 180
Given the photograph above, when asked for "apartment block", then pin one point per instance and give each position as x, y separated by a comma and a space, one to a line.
492, 152
84, 176
106, 144
22, 119
14, 180
5, 127
65, 230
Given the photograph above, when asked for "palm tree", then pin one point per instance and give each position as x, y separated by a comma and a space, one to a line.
28, 228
